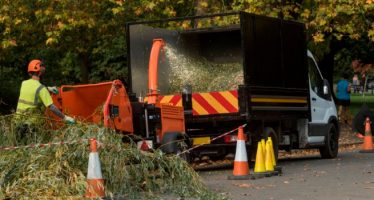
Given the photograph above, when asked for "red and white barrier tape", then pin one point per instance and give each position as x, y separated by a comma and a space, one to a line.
101, 144
43, 145
215, 138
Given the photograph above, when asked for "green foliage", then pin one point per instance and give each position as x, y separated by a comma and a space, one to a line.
343, 61
108, 59
84, 41
79, 41
361, 49
326, 21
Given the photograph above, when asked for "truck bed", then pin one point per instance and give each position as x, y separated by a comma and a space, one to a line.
269, 50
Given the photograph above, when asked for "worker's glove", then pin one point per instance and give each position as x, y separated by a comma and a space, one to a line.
69, 120
53, 89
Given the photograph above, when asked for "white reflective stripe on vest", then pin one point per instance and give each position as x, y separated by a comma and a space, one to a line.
241, 152
94, 167
36, 98
26, 102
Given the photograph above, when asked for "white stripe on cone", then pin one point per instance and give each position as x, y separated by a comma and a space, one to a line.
241, 152
94, 167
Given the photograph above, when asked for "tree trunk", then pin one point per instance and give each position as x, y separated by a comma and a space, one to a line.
84, 67
327, 64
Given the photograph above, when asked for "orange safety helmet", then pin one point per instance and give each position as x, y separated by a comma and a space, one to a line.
35, 66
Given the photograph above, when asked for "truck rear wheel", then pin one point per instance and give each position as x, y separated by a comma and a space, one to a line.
330, 150
181, 148
176, 143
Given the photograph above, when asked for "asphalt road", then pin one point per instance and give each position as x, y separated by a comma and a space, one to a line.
349, 176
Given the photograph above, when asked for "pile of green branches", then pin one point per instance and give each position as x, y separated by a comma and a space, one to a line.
59, 171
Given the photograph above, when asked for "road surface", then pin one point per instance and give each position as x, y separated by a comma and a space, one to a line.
348, 177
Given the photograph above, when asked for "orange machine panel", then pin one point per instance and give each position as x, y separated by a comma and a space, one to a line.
119, 107
85, 103
172, 119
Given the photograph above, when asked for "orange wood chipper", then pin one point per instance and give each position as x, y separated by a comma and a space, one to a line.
108, 103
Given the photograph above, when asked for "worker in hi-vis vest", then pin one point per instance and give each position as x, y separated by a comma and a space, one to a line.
32, 97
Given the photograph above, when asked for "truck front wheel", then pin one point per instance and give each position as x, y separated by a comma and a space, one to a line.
330, 150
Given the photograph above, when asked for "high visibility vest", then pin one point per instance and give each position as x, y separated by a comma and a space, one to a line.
31, 98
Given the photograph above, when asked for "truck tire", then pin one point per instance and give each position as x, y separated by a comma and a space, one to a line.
181, 147
175, 143
269, 132
330, 150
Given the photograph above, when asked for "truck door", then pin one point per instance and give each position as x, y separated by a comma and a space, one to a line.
319, 104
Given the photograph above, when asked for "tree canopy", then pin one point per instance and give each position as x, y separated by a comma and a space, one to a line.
84, 41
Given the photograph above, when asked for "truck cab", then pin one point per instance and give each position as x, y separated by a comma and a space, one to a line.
324, 129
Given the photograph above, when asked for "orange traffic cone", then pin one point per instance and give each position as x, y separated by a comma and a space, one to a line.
367, 146
241, 168
95, 182
144, 146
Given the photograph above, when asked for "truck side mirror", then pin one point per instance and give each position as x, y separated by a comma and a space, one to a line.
326, 87
325, 90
